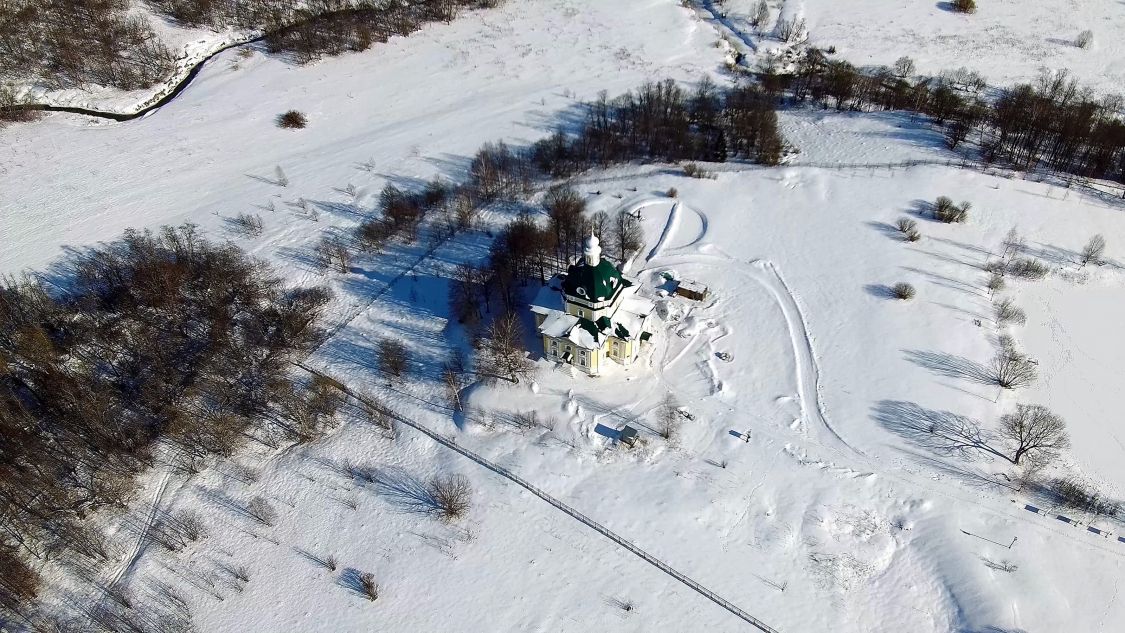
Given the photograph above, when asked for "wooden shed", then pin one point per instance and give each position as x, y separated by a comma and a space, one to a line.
691, 289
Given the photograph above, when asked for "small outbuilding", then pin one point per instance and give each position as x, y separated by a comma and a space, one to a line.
691, 289
628, 436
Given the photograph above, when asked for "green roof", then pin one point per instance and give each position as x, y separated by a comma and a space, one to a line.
591, 327
594, 283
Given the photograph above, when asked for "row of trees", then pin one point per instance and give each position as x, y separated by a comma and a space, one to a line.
1052, 121
312, 28
155, 338
663, 121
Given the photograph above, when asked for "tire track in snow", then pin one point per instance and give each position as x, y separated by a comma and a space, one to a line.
134, 555
808, 372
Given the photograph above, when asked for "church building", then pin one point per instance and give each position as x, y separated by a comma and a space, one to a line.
592, 314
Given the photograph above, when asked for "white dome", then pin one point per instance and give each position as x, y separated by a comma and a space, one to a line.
593, 250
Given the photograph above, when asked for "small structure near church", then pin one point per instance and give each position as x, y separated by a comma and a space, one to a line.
592, 314
691, 289
628, 436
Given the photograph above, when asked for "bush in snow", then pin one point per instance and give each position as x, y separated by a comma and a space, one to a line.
292, 119
964, 6
946, 211
909, 229
1006, 311
995, 283
248, 223
1083, 497
903, 290
1084, 39
693, 170
1026, 268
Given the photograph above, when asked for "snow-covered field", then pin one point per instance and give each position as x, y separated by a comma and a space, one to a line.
1006, 41
837, 515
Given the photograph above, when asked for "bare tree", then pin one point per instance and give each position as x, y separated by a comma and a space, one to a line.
628, 236
1033, 430
504, 355
1011, 369
453, 377
1093, 250
1012, 245
368, 586
668, 418
262, 511
451, 495
393, 358
760, 15
1006, 311
904, 68
333, 253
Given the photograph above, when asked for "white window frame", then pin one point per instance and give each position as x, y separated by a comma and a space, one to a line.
582, 357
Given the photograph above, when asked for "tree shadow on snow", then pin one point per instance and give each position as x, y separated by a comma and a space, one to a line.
879, 291
939, 431
951, 366
405, 491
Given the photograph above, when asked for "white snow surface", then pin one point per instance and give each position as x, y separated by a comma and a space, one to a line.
1006, 41
836, 515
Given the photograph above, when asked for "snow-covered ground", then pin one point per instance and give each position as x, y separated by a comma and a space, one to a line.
836, 515
1006, 41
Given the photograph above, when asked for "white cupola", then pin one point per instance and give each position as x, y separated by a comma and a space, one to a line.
592, 250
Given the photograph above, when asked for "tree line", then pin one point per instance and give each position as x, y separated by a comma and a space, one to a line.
1052, 122
75, 43
157, 339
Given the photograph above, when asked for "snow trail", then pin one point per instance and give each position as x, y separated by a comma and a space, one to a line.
669, 229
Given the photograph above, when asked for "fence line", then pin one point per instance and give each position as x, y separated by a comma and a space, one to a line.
1103, 187
598, 527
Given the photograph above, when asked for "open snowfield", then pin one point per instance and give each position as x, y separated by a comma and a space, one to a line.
839, 514
1006, 41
